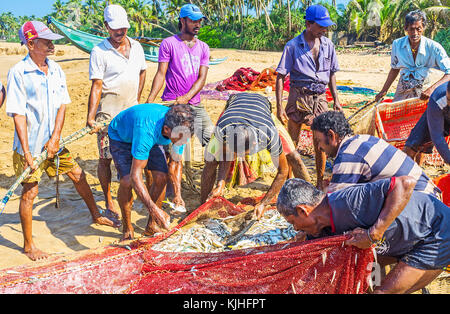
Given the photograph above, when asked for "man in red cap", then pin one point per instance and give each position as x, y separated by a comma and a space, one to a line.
37, 99
310, 59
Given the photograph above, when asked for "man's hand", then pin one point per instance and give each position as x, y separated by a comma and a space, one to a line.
337, 106
182, 100
178, 201
259, 211
93, 124
282, 116
359, 238
426, 94
29, 162
52, 147
379, 96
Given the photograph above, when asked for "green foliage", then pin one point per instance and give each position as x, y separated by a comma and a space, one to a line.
443, 37
250, 24
210, 36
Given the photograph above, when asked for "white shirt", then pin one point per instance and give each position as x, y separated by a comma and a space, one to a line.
38, 97
430, 55
120, 75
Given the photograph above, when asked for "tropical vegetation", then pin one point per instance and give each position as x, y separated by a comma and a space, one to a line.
250, 24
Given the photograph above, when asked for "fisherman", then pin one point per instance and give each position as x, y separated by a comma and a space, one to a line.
117, 69
433, 127
183, 62
136, 138
363, 158
310, 59
384, 213
2, 94
37, 99
413, 56
247, 126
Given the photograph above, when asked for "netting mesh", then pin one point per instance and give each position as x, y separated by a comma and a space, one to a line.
319, 266
395, 121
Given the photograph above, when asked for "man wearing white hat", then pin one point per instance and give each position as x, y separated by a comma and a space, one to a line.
117, 69
37, 99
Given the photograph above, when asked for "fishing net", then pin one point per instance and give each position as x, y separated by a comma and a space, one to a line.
443, 183
319, 266
394, 122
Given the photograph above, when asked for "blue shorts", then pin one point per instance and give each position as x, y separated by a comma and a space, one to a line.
420, 139
122, 157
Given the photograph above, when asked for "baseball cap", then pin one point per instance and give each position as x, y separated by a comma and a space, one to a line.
116, 16
35, 29
191, 11
319, 14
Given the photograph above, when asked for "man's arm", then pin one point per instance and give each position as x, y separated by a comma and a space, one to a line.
427, 93
140, 188
142, 76
279, 86
333, 90
94, 100
2, 95
196, 87
280, 178
20, 123
158, 81
394, 204
52, 145
389, 80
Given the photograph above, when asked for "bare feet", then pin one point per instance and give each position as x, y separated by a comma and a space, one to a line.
35, 254
106, 222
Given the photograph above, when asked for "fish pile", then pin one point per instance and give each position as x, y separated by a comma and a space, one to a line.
208, 235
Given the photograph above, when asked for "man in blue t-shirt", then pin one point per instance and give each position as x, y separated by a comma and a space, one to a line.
137, 135
432, 128
405, 225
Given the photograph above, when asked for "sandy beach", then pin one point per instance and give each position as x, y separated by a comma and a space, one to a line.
69, 229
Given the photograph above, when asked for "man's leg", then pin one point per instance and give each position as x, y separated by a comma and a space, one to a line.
29, 193
125, 200
320, 159
208, 179
78, 178
104, 176
406, 279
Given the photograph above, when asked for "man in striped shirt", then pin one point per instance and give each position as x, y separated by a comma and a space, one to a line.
246, 127
363, 158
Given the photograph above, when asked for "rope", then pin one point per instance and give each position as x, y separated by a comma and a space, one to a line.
43, 156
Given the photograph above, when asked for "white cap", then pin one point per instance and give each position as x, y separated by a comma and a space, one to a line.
116, 17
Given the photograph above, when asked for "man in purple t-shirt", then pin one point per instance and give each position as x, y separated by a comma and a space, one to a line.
311, 61
183, 63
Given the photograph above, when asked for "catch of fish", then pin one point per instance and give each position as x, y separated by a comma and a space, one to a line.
208, 235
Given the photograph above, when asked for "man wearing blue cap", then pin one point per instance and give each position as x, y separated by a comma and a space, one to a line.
310, 59
183, 64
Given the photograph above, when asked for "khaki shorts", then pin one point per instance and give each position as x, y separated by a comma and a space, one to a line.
303, 108
66, 164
